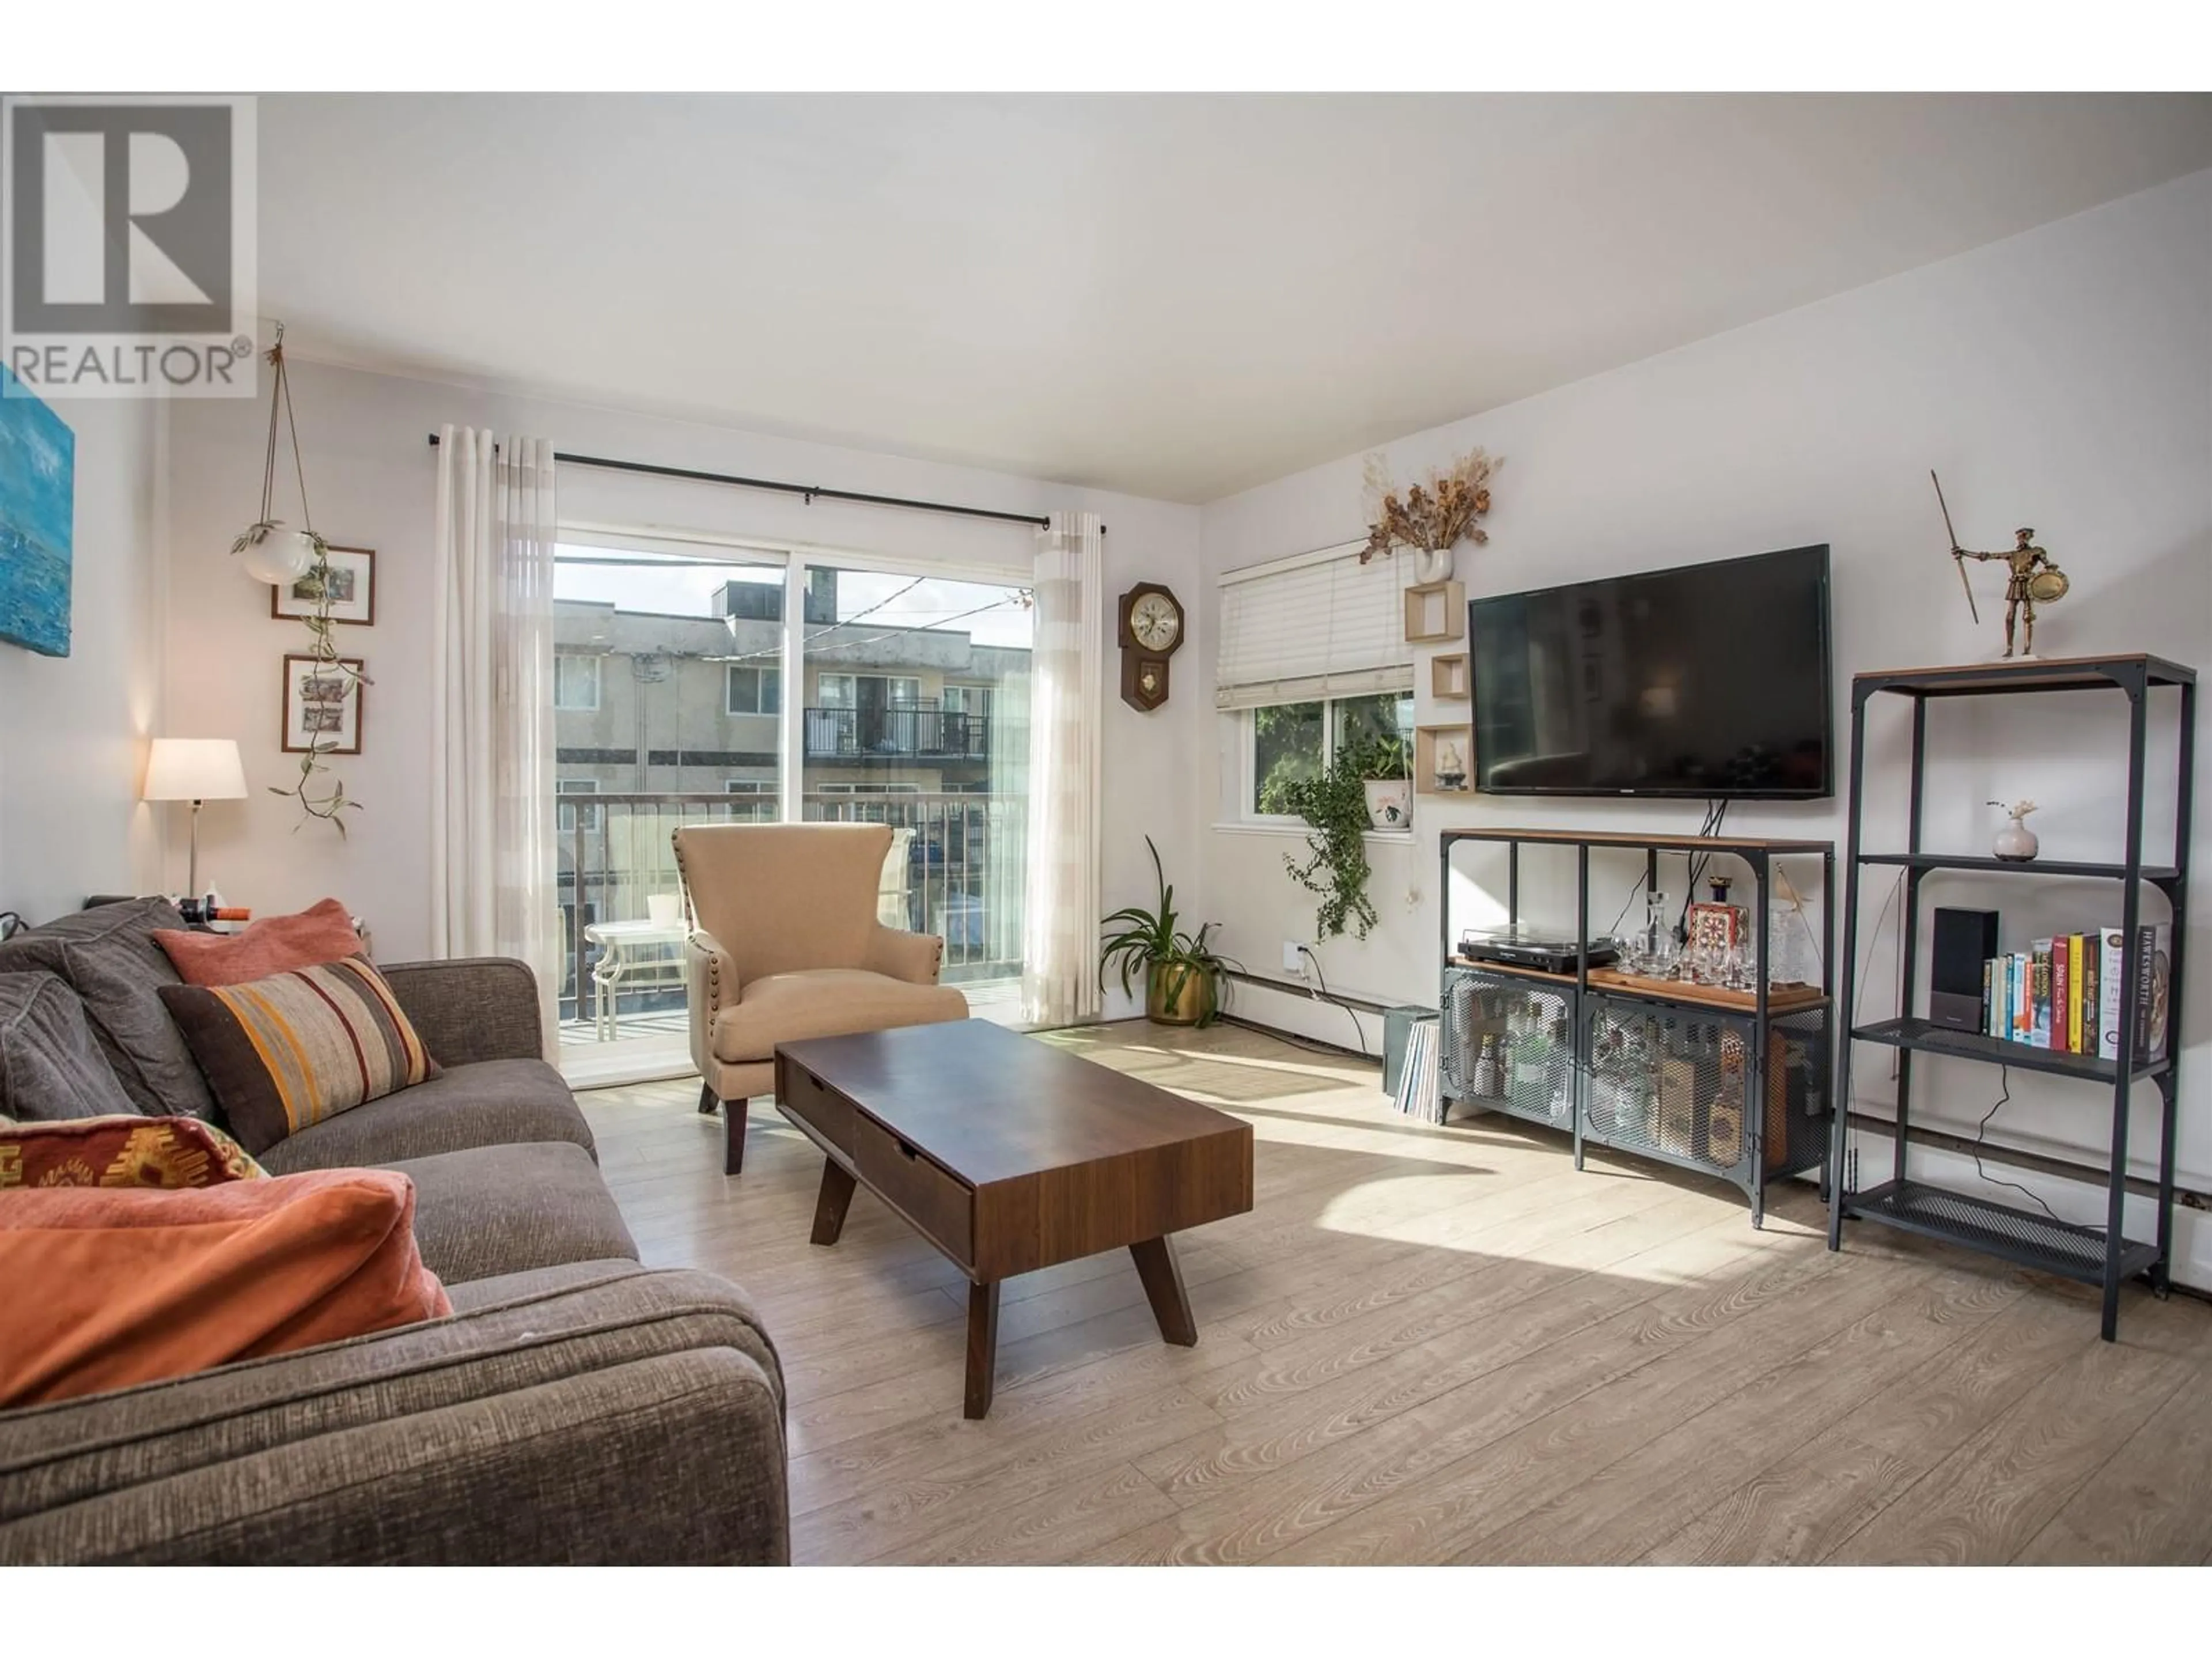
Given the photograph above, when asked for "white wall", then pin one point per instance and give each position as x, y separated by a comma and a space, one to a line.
373, 479
73, 729
2061, 379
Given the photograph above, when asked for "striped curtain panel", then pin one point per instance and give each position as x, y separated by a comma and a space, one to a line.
491, 801
1059, 914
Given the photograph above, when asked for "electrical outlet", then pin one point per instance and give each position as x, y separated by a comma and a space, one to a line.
1294, 959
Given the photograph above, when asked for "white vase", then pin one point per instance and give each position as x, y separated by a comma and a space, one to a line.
1432, 567
1390, 803
2017, 843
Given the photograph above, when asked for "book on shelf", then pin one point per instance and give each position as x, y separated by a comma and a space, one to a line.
2061, 989
2065, 994
2072, 1000
2148, 995
2108, 991
2091, 979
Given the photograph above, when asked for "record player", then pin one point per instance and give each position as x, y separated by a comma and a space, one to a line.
1524, 946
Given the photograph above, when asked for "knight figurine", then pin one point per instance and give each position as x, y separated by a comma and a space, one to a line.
2033, 576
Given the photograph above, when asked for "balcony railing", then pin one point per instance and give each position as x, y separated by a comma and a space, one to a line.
902, 732
956, 872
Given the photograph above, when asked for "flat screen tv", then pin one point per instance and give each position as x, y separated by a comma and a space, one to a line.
1703, 681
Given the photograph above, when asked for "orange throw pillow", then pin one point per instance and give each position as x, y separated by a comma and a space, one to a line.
322, 932
135, 1285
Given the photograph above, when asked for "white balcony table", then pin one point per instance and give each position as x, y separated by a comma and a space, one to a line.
626, 947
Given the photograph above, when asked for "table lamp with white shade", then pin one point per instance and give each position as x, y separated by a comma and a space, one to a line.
196, 770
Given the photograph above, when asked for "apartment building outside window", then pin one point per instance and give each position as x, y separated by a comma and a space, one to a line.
575, 683
751, 689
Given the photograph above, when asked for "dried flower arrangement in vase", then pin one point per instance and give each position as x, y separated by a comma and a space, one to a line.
1431, 518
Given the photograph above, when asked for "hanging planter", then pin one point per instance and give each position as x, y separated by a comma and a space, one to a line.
270, 550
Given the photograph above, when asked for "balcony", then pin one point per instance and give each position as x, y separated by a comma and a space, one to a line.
902, 733
956, 870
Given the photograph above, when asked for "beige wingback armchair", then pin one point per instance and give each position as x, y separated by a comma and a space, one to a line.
785, 944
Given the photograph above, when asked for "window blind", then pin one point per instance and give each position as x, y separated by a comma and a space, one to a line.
1319, 625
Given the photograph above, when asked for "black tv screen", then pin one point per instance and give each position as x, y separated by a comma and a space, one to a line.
1705, 680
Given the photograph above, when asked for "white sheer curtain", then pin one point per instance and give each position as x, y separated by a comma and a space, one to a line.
1060, 917
491, 781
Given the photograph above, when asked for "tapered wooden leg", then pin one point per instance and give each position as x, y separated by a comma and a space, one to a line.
707, 1101
836, 1197
733, 1130
1156, 1265
983, 1348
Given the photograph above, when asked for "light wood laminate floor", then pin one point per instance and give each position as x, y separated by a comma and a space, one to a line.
1436, 1344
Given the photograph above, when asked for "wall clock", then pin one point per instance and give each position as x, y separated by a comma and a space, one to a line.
1150, 630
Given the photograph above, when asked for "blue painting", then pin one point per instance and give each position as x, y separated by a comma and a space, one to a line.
38, 492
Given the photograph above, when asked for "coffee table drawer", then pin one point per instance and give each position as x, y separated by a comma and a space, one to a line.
940, 1206
825, 1110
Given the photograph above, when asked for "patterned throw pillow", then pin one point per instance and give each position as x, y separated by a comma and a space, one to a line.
125, 1151
284, 1053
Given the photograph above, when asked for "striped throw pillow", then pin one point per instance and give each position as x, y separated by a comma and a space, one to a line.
285, 1052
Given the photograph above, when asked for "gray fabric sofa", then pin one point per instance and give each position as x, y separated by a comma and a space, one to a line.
576, 1406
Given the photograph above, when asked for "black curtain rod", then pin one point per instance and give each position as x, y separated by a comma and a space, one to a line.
808, 491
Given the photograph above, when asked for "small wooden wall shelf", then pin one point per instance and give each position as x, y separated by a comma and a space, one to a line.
1435, 743
1436, 611
1448, 678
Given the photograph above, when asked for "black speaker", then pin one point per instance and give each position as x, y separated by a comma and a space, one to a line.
1965, 940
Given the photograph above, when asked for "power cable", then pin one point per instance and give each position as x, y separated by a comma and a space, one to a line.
1981, 1132
1359, 1031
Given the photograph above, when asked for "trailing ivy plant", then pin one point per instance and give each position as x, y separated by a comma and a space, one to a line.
1333, 804
328, 804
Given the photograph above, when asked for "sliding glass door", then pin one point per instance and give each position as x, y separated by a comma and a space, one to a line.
917, 716
908, 707
668, 703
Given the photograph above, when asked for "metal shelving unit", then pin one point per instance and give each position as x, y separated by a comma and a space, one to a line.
2102, 1256
1726, 1084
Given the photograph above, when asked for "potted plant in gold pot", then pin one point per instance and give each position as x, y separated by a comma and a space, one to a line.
1182, 972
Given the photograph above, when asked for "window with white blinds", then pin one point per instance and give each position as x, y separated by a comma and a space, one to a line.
1319, 625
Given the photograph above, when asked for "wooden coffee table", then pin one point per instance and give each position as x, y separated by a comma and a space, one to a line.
1010, 1156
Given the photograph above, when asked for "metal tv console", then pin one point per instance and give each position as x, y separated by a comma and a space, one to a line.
1732, 1084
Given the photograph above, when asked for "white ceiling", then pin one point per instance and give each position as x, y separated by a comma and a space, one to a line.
1175, 296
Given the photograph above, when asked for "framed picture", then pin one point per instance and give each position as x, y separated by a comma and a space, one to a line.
322, 707
353, 590
37, 497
